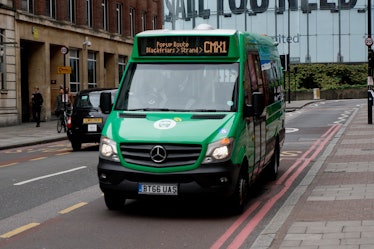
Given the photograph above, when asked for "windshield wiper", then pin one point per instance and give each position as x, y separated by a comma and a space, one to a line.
150, 109
205, 110
175, 110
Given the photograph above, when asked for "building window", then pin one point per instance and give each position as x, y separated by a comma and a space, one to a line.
2, 60
71, 10
74, 76
121, 65
50, 6
154, 22
104, 9
144, 21
89, 13
28, 5
132, 22
119, 18
91, 65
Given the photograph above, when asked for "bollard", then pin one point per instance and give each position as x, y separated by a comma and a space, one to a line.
316, 93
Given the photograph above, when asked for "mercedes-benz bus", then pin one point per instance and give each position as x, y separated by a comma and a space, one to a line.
198, 112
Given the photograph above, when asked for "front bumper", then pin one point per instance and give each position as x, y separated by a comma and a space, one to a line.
84, 137
212, 180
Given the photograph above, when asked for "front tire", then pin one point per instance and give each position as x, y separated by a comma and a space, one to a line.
114, 201
239, 198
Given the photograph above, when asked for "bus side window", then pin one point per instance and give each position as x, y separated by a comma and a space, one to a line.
252, 72
255, 72
247, 84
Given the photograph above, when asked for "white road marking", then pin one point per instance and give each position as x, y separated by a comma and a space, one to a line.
47, 176
290, 130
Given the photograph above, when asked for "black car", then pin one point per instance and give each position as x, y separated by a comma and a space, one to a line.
88, 116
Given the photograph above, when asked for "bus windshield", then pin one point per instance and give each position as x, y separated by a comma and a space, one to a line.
180, 87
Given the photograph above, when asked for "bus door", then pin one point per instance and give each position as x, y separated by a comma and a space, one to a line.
259, 122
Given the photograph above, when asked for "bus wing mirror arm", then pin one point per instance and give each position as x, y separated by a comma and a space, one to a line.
257, 106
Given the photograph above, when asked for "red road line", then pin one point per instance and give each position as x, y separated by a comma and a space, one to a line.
248, 229
234, 226
331, 130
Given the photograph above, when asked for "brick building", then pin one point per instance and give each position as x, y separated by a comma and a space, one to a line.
98, 35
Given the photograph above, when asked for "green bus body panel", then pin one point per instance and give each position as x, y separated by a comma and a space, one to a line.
185, 131
200, 131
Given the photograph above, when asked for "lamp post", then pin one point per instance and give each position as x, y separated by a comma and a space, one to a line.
64, 51
369, 42
245, 18
218, 13
276, 20
193, 15
289, 48
307, 58
340, 57
173, 15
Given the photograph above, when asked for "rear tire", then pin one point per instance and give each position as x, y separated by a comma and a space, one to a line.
76, 145
114, 201
272, 168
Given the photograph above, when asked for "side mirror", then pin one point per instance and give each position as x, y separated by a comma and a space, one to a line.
258, 103
257, 106
106, 102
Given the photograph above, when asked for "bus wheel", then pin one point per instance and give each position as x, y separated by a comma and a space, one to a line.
114, 201
272, 168
239, 197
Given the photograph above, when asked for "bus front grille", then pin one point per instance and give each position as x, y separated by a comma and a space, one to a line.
160, 155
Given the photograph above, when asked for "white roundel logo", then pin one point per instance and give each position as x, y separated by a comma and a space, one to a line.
164, 124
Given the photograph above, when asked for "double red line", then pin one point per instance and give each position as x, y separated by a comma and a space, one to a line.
287, 179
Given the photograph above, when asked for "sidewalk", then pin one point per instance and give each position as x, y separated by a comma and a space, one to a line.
333, 206
27, 134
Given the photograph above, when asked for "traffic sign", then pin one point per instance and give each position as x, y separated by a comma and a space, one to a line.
64, 50
64, 70
369, 41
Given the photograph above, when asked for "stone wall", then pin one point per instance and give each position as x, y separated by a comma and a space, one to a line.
357, 93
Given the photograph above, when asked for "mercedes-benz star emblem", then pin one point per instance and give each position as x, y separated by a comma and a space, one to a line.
158, 154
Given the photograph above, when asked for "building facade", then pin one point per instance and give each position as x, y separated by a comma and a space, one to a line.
8, 93
78, 44
310, 31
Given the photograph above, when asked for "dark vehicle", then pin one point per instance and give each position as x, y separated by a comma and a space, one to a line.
90, 111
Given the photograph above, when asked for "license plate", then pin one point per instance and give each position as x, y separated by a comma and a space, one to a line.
92, 120
92, 127
157, 189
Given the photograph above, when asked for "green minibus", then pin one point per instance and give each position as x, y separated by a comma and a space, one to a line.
198, 113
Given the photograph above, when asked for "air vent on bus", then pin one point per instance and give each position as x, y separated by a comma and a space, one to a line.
204, 26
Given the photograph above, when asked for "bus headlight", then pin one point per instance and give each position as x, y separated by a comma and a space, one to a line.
108, 149
219, 151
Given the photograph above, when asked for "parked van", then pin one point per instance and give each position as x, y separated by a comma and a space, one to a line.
198, 112
89, 115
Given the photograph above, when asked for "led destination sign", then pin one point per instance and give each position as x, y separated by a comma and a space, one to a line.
184, 46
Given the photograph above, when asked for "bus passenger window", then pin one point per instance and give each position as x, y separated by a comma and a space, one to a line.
247, 84
252, 72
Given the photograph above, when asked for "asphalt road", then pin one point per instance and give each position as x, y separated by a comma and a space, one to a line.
50, 197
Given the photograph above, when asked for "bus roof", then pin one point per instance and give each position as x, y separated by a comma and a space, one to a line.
163, 32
